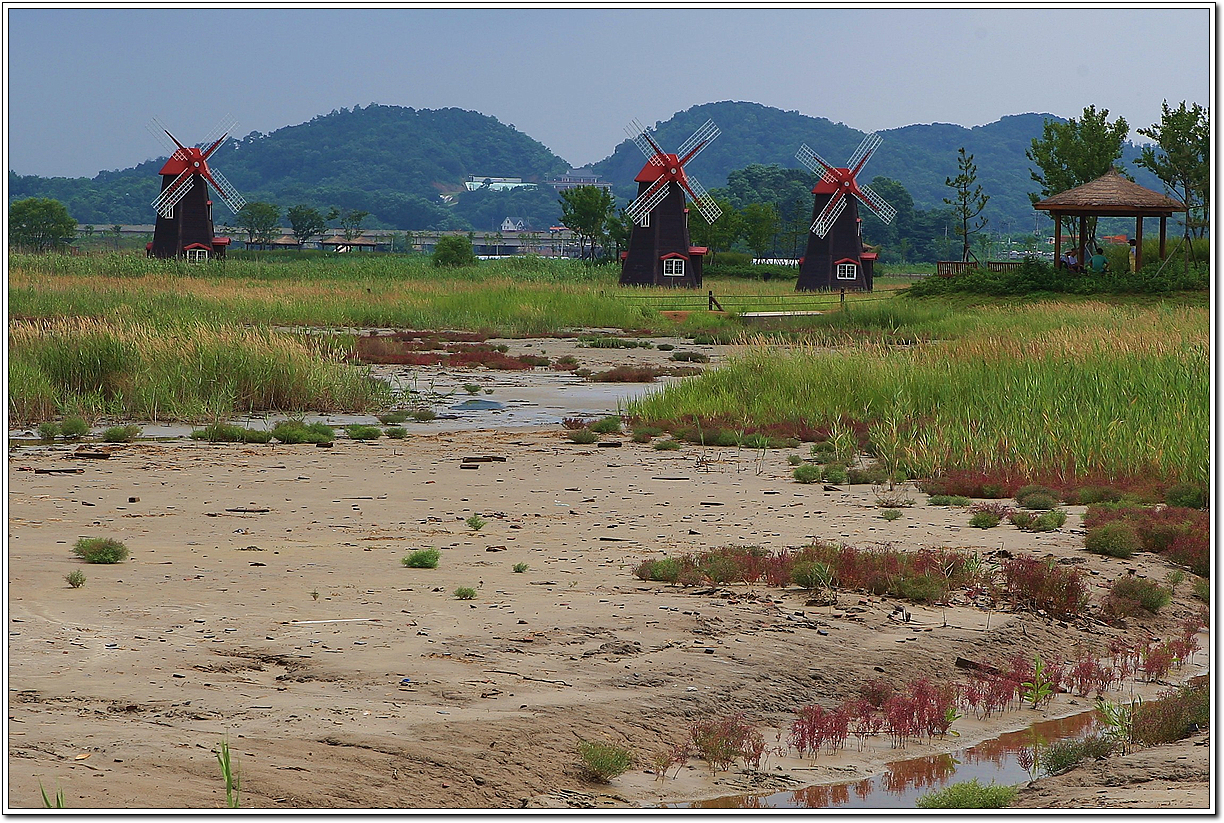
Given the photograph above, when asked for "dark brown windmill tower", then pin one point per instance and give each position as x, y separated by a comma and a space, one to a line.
835, 258
184, 227
659, 252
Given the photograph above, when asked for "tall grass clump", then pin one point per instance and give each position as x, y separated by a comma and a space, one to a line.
968, 795
1107, 391
603, 761
190, 371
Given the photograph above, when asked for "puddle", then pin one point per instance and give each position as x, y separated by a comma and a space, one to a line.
478, 405
992, 761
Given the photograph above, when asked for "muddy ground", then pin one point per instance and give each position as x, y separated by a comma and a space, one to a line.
265, 603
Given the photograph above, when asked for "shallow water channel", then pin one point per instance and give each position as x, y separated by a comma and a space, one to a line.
992, 761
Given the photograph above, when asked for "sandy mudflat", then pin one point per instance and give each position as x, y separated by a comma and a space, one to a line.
387, 691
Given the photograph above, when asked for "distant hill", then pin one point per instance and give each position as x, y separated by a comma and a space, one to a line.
390, 161
396, 163
919, 157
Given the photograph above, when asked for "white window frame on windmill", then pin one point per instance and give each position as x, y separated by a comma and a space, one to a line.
197, 255
847, 270
675, 265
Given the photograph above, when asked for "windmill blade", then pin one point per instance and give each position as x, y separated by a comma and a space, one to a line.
829, 214
875, 202
697, 142
646, 201
637, 133
163, 136
227, 126
173, 193
863, 152
815, 163
701, 198
225, 189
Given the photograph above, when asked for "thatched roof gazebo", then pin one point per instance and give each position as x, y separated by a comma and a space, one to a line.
1110, 195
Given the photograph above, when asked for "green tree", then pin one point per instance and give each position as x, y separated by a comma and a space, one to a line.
258, 220
454, 250
1076, 152
585, 211
306, 222
116, 230
1183, 164
39, 224
967, 202
722, 233
761, 223
350, 223
619, 227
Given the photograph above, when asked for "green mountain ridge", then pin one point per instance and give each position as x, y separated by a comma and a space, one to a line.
396, 163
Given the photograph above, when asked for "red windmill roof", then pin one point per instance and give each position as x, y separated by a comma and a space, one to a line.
652, 172
829, 186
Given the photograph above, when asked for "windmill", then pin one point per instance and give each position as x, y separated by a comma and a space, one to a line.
184, 225
659, 252
835, 257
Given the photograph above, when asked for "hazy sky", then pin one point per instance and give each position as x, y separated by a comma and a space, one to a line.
83, 82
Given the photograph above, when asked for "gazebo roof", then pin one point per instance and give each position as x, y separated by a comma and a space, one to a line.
1111, 195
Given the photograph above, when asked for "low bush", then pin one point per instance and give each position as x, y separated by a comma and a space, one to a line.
519, 568
1174, 714
604, 761
1187, 496
74, 428
1182, 534
666, 445
422, 559
298, 431
984, 520
1064, 755
948, 500
396, 432
393, 418
1117, 539
424, 414
890, 514
1202, 589
608, 425
48, 431
690, 357
836, 473
625, 374
475, 522
75, 578
120, 434
1128, 595
229, 433
358, 431
807, 473
100, 550
1047, 521
1087, 495
583, 437
968, 795
465, 593
720, 742
1043, 585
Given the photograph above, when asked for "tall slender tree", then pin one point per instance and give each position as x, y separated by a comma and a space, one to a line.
967, 202
585, 211
1181, 158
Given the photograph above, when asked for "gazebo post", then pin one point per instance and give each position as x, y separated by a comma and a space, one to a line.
1083, 227
1138, 243
1057, 238
1162, 236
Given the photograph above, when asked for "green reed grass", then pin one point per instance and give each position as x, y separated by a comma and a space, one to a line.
1123, 392
193, 372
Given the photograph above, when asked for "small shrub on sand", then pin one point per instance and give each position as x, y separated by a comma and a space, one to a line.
100, 550
583, 437
120, 434
396, 432
1173, 715
75, 578
807, 473
608, 425
424, 414
666, 445
948, 500
604, 761
1186, 495
968, 795
48, 431
358, 431
393, 418
74, 428
1115, 539
519, 568
1128, 595
890, 514
1036, 497
475, 522
1202, 590
465, 593
422, 559
298, 431
984, 520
